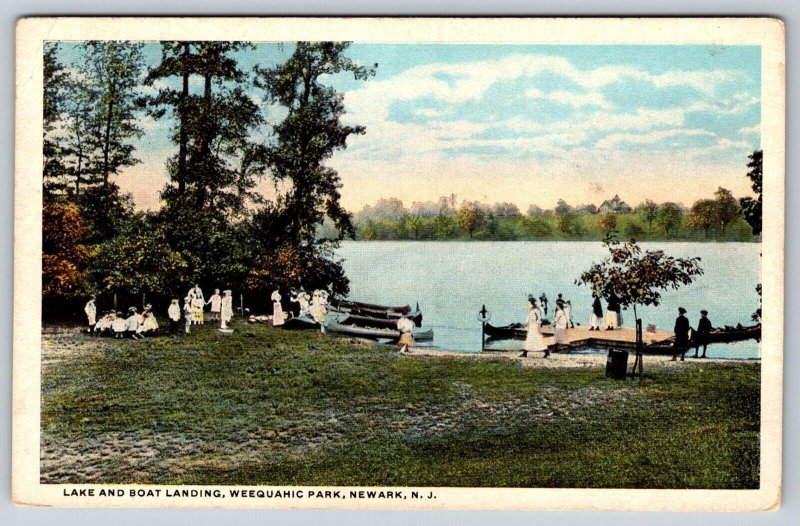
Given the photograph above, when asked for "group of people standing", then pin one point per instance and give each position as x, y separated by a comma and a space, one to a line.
136, 325
684, 337
562, 320
314, 306
613, 316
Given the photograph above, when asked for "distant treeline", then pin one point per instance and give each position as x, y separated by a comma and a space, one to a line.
718, 218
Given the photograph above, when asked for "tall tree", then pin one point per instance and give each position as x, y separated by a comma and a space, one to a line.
310, 134
752, 207
115, 69
55, 79
177, 60
728, 208
216, 164
81, 131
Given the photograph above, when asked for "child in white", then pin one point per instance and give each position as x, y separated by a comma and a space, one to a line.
91, 313
174, 314
226, 308
216, 304
119, 325
187, 312
277, 309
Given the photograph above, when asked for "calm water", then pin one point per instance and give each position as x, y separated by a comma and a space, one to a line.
451, 280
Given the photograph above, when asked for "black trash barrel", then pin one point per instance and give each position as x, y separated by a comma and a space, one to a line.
617, 364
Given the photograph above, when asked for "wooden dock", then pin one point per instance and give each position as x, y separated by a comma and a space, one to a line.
581, 336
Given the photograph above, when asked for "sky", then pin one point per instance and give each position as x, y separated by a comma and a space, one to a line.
527, 124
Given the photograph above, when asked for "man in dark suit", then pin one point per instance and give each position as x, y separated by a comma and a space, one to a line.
701, 336
682, 329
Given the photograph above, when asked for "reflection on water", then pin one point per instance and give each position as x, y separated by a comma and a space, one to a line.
452, 280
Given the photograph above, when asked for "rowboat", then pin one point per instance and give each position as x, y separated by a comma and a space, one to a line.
734, 334
367, 322
347, 304
374, 333
513, 331
721, 335
300, 323
416, 315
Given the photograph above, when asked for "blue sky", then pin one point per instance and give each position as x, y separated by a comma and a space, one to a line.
526, 124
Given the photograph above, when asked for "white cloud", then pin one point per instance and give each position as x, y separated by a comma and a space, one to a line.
648, 138
751, 130
568, 98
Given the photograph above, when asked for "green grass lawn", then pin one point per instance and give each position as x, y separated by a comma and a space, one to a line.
265, 406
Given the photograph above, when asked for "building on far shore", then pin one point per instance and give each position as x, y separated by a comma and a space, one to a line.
614, 205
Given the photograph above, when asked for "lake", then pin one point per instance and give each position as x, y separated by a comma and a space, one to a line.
452, 280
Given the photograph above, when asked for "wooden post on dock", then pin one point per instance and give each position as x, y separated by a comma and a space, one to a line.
483, 316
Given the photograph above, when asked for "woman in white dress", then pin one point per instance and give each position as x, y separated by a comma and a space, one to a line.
226, 309
277, 309
534, 342
91, 313
560, 322
319, 308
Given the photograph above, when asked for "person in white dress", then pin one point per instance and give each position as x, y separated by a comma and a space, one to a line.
91, 313
277, 309
319, 308
119, 324
226, 308
301, 297
149, 323
568, 312
406, 327
105, 324
560, 323
187, 313
198, 304
534, 342
174, 314
216, 304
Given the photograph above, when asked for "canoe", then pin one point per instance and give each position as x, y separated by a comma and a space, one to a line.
375, 334
513, 331
392, 317
416, 315
347, 304
299, 323
734, 334
721, 335
377, 323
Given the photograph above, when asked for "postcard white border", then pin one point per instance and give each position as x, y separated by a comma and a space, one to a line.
765, 32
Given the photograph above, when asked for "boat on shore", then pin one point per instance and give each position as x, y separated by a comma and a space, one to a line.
368, 322
720, 335
300, 323
415, 315
346, 305
376, 333
512, 331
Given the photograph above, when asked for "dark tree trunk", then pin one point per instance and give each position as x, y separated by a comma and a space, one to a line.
107, 138
183, 135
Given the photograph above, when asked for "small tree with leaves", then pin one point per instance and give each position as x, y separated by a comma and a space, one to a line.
703, 215
637, 277
607, 222
649, 212
669, 217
